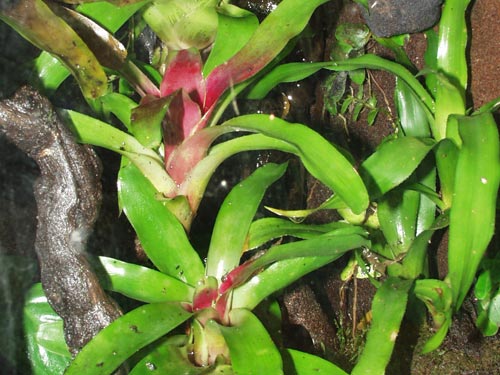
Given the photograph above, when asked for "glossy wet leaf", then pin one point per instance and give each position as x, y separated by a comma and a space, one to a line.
36, 22
142, 283
234, 219
247, 335
90, 130
109, 15
388, 308
119, 105
319, 157
136, 329
305, 363
50, 72
393, 162
266, 229
43, 328
161, 234
472, 217
290, 261
411, 113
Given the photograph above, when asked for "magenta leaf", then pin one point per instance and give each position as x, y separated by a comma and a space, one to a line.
184, 72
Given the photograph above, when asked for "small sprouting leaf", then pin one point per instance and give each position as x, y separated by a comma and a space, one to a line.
372, 116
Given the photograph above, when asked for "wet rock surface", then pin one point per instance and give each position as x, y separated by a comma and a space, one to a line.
394, 17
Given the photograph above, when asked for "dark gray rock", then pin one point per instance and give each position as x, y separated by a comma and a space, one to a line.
393, 17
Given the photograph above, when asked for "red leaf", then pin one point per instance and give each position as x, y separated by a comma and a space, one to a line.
184, 72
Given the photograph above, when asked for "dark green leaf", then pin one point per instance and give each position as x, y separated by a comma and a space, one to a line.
388, 308
393, 162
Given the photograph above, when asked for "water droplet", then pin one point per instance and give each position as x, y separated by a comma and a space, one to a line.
484, 180
150, 366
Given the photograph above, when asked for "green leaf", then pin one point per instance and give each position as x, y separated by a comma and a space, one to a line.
161, 234
182, 24
119, 105
146, 121
247, 335
393, 162
290, 261
412, 116
305, 363
388, 308
47, 350
90, 130
472, 218
319, 157
232, 34
483, 286
125, 336
142, 283
50, 71
234, 219
266, 229
108, 15
446, 154
397, 213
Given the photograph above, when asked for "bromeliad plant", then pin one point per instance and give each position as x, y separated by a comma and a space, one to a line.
169, 157
440, 143
167, 162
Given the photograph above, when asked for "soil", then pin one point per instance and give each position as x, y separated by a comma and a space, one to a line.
325, 315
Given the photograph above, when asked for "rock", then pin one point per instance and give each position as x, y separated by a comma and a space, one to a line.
393, 17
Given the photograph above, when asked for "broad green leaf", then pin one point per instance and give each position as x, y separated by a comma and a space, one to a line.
305, 364
411, 114
161, 234
171, 358
234, 219
35, 21
397, 214
393, 162
125, 336
274, 278
388, 308
109, 15
251, 348
319, 157
142, 283
266, 229
472, 217
90, 130
232, 34
290, 261
43, 328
